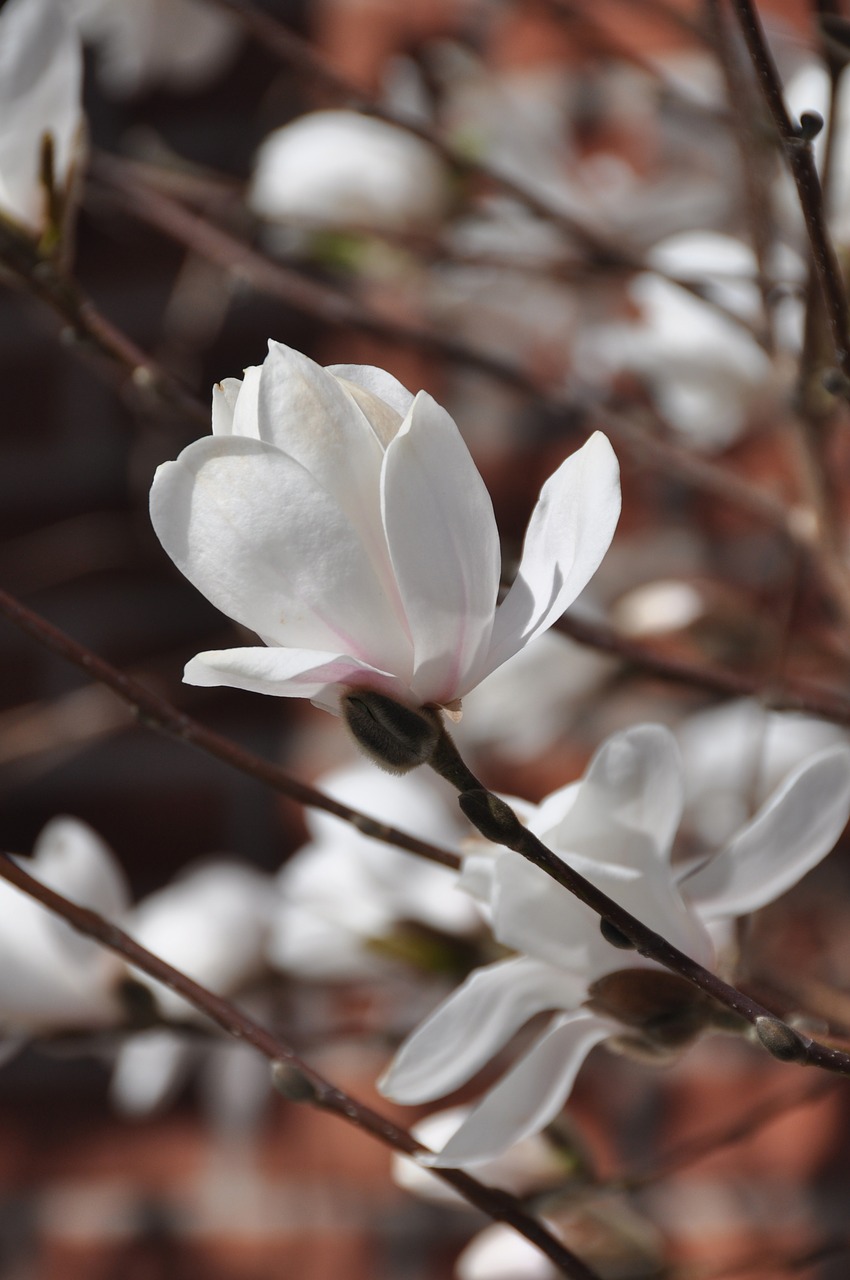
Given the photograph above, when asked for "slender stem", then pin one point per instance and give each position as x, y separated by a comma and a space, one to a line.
156, 712
801, 162
333, 306
497, 1204
498, 823
90, 328
790, 697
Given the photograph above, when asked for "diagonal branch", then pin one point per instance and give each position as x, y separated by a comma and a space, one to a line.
156, 712
497, 1204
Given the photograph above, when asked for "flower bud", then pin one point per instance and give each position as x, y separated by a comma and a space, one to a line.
291, 1082
396, 737
780, 1040
491, 816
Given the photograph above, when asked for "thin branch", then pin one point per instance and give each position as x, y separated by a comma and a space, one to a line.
87, 325
498, 823
333, 306
801, 162
790, 697
156, 712
497, 1204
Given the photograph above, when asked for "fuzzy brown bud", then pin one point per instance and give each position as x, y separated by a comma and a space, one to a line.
396, 737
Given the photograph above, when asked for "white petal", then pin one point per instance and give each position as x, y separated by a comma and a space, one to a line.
793, 831
472, 1025
72, 859
289, 673
569, 532
499, 1253
444, 547
529, 1096
253, 531
379, 385
149, 1070
634, 779
40, 93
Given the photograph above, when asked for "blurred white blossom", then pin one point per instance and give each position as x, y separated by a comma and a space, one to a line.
180, 44
616, 827
343, 891
41, 68
734, 755
343, 520
51, 978
340, 169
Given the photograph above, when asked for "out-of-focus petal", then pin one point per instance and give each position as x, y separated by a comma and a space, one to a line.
569, 532
149, 1069
41, 68
793, 831
499, 1253
529, 1096
472, 1025
444, 547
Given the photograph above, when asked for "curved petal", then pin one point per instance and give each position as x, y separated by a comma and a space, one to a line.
253, 531
789, 835
71, 858
444, 548
377, 385
529, 1096
41, 67
634, 780
289, 673
472, 1025
569, 532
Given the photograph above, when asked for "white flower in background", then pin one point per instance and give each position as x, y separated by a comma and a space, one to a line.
343, 891
41, 69
500, 1253
180, 44
211, 923
340, 169
531, 701
706, 371
343, 520
616, 826
51, 978
734, 755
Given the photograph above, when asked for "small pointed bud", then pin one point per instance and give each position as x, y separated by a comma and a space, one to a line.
615, 936
811, 123
291, 1081
492, 817
780, 1040
396, 737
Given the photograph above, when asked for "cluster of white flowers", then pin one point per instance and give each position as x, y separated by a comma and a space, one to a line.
340, 518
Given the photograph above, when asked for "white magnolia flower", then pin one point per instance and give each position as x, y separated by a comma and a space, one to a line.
140, 43
342, 169
50, 976
211, 923
41, 68
343, 891
616, 826
706, 371
343, 520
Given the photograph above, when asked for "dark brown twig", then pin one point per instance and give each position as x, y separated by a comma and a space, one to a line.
315, 1089
800, 159
87, 325
156, 712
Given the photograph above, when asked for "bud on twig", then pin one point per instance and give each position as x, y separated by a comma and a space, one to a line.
396, 737
291, 1081
780, 1040
492, 817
